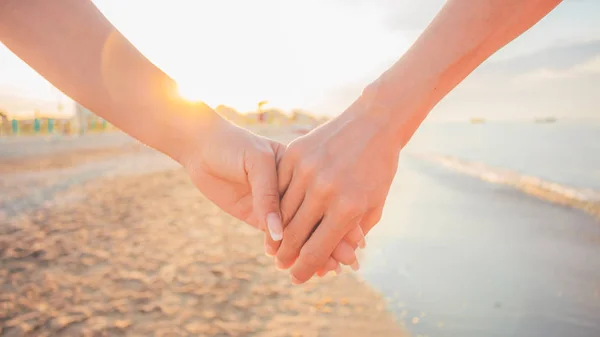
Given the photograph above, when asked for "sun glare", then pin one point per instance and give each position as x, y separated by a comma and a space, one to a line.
296, 54
189, 93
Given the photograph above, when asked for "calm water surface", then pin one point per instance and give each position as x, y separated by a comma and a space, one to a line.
456, 256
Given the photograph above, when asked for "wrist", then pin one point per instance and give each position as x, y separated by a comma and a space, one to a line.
154, 113
189, 126
396, 118
172, 125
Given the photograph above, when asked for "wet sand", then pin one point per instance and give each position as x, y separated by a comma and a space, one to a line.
123, 244
458, 256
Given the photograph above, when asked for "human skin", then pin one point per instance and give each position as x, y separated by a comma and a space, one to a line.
338, 176
72, 45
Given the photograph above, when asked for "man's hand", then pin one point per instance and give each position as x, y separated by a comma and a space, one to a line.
335, 179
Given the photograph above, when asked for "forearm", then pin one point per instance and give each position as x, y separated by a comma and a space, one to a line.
73, 46
463, 35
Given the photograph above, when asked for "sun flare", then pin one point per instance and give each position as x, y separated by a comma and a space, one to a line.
189, 92
297, 54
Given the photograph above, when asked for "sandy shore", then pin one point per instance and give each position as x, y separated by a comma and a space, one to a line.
62, 159
122, 249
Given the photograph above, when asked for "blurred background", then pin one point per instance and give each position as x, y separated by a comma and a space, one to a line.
491, 228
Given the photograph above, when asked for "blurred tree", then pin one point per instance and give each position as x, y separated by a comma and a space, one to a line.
261, 104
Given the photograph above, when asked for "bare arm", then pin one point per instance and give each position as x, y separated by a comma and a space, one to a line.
338, 176
72, 45
77, 49
463, 35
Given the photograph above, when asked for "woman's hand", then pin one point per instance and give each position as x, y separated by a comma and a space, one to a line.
332, 180
237, 170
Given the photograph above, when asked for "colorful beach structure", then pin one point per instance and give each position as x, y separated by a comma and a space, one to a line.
82, 122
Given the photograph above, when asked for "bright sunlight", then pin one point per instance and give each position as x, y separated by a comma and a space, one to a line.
294, 54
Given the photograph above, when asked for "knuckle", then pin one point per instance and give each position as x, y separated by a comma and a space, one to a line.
292, 240
293, 150
349, 207
268, 204
307, 169
311, 258
271, 194
263, 153
286, 216
325, 184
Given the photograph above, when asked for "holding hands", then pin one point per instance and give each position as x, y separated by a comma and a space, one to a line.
318, 197
315, 200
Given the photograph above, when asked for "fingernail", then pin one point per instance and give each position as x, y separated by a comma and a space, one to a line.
269, 251
338, 270
362, 244
355, 266
295, 281
275, 227
279, 265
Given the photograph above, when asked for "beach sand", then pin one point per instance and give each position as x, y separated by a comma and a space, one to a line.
62, 159
140, 252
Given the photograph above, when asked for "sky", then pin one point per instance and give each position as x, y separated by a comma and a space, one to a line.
319, 54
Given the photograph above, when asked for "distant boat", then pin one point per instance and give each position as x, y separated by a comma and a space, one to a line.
477, 120
545, 120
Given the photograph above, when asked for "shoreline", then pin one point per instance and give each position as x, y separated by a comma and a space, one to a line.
586, 200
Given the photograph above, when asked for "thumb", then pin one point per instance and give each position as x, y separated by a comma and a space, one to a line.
262, 176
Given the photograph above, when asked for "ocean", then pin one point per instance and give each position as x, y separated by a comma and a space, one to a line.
565, 152
455, 255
